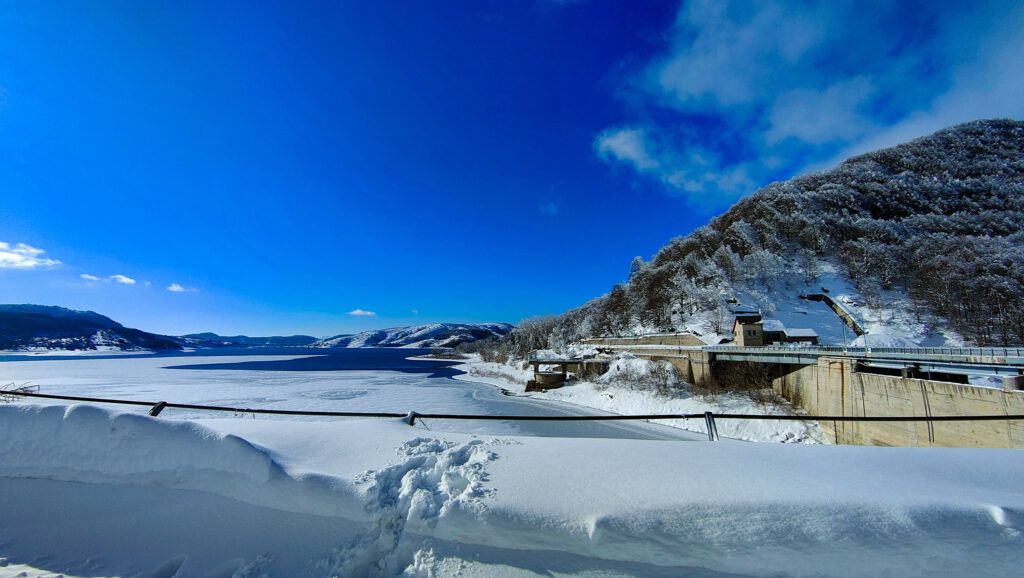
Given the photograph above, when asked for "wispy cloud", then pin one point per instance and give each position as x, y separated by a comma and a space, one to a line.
629, 145
120, 279
22, 256
179, 288
696, 172
741, 92
362, 313
550, 208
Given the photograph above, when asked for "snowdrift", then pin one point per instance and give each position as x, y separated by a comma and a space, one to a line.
92, 492
87, 444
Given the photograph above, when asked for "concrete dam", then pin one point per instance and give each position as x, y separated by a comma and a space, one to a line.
863, 382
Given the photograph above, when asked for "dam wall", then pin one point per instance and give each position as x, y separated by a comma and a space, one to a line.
836, 386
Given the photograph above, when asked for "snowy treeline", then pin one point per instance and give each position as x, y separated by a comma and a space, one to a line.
939, 219
530, 335
430, 335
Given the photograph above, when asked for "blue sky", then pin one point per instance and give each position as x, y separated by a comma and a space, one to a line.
275, 167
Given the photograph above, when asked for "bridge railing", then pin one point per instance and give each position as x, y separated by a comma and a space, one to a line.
156, 407
867, 351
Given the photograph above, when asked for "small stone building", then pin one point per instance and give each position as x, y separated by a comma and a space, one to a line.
747, 329
751, 330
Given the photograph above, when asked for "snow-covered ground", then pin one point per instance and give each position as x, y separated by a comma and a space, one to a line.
89, 492
894, 323
612, 393
294, 382
92, 492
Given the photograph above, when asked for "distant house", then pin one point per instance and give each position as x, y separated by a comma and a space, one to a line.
750, 329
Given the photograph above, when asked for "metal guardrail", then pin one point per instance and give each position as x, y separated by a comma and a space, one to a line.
949, 351
156, 407
1007, 352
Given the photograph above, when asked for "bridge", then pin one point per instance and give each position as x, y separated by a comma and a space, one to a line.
863, 381
552, 372
988, 361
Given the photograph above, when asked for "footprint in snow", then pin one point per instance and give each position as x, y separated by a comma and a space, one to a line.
431, 478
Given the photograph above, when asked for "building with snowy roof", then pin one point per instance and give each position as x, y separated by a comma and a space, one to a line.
750, 329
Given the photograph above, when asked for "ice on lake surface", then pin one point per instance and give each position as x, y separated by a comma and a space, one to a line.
359, 380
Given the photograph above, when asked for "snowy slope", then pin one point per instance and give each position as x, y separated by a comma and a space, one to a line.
42, 327
90, 492
895, 322
431, 335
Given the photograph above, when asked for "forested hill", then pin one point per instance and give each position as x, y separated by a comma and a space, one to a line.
937, 223
47, 327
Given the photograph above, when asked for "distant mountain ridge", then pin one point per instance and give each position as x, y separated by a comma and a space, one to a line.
429, 335
50, 327
37, 327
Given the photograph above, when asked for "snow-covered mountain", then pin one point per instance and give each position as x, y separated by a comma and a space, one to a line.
33, 327
431, 335
28, 327
924, 242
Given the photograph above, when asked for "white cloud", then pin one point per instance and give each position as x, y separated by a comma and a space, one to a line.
695, 172
122, 279
550, 208
22, 256
415, 311
362, 313
88, 277
799, 84
628, 145
730, 53
176, 288
821, 116
988, 86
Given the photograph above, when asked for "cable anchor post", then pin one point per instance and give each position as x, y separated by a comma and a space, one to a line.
709, 421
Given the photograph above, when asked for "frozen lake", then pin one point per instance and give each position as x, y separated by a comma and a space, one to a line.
371, 380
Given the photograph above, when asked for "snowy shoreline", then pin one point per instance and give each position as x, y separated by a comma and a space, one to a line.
612, 398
